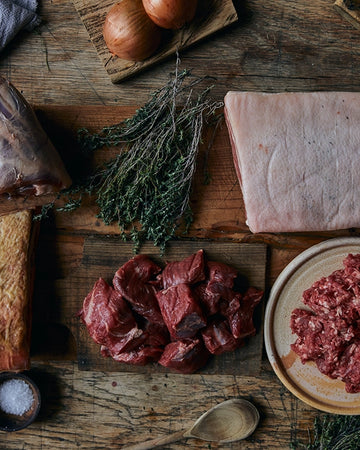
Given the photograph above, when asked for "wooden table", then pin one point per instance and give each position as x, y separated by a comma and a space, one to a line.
285, 45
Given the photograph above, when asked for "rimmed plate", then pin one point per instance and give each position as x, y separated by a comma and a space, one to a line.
305, 381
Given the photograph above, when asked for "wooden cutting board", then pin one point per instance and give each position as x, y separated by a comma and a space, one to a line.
211, 16
76, 248
104, 255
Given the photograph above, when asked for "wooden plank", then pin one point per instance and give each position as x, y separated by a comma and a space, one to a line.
104, 255
350, 10
211, 16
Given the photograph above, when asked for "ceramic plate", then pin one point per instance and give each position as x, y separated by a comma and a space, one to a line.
305, 381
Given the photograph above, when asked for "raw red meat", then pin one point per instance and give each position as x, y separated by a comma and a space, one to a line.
190, 270
109, 320
240, 311
219, 284
181, 311
185, 356
138, 357
218, 337
329, 333
134, 321
134, 282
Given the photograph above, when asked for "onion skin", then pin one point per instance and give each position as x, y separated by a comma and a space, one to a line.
170, 14
129, 33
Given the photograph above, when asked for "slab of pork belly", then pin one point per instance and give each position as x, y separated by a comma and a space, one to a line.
297, 156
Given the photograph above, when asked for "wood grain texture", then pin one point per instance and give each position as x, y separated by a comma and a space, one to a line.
294, 45
211, 16
350, 10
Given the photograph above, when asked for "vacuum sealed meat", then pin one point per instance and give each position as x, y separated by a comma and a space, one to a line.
29, 163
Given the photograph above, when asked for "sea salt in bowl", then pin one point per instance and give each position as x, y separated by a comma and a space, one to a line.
19, 401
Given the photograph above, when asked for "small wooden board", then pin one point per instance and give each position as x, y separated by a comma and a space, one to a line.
350, 10
104, 255
211, 16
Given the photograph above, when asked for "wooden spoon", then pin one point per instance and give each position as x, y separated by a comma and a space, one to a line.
228, 421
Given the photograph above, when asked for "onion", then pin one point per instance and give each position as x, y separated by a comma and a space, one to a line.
171, 14
129, 33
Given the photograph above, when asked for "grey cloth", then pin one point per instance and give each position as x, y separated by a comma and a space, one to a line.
16, 15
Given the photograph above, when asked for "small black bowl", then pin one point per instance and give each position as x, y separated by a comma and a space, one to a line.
13, 422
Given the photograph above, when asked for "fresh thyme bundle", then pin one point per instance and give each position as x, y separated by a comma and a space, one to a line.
336, 432
149, 181
332, 432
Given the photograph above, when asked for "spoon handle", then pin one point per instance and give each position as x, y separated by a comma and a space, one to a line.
157, 442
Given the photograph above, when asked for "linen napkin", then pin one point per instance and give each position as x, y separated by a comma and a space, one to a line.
16, 15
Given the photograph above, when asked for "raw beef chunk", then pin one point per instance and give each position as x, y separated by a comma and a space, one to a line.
221, 273
219, 284
240, 311
138, 357
184, 356
329, 333
190, 270
181, 311
109, 320
209, 301
218, 338
134, 282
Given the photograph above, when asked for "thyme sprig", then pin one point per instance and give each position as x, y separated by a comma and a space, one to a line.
332, 432
146, 187
336, 432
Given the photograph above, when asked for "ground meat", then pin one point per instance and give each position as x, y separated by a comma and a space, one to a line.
329, 333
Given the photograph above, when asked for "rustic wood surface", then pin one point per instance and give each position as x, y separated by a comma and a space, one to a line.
211, 16
287, 45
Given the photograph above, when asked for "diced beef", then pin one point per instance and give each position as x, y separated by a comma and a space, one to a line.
134, 281
219, 284
209, 301
109, 319
190, 270
157, 335
185, 356
139, 356
221, 273
218, 337
181, 311
240, 310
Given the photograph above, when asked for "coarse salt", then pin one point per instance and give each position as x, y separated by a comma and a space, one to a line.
16, 397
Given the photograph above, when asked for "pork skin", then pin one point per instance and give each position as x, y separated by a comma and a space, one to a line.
297, 157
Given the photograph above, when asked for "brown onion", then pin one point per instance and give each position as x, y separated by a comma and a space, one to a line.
129, 33
170, 14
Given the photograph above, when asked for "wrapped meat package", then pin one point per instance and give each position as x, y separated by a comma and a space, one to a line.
297, 157
17, 244
29, 163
